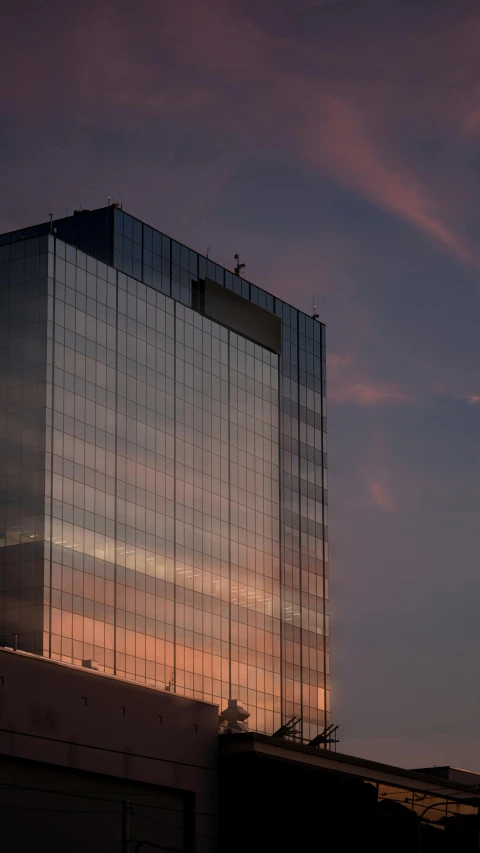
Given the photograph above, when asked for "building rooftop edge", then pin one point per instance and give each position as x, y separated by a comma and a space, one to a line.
113, 206
97, 673
446, 767
342, 758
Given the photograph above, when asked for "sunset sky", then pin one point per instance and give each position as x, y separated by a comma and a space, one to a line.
334, 144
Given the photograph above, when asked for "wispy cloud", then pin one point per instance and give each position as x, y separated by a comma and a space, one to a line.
347, 386
370, 394
340, 141
336, 360
458, 388
380, 495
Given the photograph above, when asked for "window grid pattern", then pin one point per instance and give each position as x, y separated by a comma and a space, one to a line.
163, 487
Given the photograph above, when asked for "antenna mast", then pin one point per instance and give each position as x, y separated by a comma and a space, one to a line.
239, 266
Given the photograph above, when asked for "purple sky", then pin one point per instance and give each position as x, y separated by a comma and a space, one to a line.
334, 145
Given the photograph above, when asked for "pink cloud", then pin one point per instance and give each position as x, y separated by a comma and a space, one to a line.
451, 387
345, 385
335, 361
341, 141
379, 494
369, 394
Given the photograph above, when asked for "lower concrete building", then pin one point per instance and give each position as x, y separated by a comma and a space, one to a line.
92, 762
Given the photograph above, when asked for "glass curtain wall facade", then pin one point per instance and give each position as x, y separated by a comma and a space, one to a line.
23, 378
182, 522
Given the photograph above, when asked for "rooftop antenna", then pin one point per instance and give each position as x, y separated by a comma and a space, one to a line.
289, 729
108, 200
315, 315
239, 265
326, 738
209, 248
51, 222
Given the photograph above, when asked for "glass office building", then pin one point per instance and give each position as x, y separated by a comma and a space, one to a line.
163, 469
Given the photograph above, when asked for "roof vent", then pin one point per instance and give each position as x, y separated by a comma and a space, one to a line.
90, 664
232, 719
